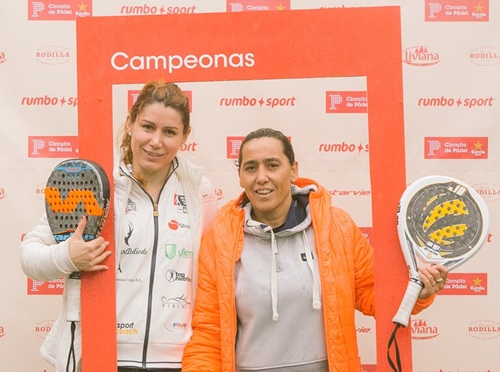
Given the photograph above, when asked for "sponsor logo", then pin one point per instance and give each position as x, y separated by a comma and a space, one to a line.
43, 328
176, 327
456, 11
363, 330
484, 329
126, 329
175, 276
233, 145
2, 57
53, 147
451, 102
121, 61
171, 252
2, 331
133, 94
245, 101
420, 56
343, 147
52, 55
178, 302
456, 148
467, 284
346, 102
422, 330
74, 198
152, 9
58, 10
2, 193
256, 5
485, 56
489, 192
53, 287
40, 191
46, 100
337, 192
180, 202
175, 225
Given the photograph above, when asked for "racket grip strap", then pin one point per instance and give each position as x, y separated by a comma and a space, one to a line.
73, 285
409, 299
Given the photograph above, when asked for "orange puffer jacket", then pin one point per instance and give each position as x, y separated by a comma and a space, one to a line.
347, 281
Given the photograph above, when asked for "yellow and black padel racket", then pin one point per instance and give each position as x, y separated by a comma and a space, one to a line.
440, 220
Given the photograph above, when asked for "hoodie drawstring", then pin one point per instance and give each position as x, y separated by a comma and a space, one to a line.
274, 278
316, 304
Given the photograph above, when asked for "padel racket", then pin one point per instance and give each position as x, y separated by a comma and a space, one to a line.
440, 220
76, 188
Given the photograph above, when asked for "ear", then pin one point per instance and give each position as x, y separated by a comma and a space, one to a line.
185, 136
128, 125
295, 171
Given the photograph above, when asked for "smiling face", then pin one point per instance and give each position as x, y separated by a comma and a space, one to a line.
156, 137
266, 175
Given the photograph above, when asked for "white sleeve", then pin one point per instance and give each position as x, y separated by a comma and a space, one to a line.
41, 257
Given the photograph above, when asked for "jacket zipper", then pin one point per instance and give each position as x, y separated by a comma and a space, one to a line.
151, 285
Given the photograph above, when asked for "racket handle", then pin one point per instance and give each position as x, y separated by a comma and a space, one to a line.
408, 302
73, 297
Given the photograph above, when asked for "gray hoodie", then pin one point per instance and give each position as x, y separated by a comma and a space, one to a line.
278, 294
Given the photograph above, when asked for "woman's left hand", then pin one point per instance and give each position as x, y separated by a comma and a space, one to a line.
434, 278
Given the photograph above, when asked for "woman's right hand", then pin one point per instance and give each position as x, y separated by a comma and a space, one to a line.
87, 255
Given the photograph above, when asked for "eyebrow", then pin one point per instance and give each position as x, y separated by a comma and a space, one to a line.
267, 160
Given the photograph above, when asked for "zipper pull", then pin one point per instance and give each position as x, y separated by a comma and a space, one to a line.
155, 210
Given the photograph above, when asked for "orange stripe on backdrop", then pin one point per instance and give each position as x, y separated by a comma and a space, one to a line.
289, 44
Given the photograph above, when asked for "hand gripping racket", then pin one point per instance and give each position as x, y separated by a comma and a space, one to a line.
76, 188
440, 220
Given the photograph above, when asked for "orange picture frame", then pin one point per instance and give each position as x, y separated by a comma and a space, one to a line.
343, 42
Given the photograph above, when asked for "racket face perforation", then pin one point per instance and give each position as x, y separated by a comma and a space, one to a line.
445, 220
76, 188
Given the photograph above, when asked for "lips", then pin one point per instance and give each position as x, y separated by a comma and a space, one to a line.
263, 192
152, 154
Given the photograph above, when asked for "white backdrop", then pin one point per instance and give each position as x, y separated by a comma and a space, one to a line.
451, 66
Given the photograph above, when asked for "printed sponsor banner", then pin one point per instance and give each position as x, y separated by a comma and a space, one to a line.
53, 147
457, 11
256, 5
456, 148
466, 284
58, 10
346, 102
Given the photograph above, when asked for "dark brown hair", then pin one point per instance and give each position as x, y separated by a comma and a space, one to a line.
271, 133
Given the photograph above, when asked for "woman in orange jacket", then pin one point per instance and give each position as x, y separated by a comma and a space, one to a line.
281, 273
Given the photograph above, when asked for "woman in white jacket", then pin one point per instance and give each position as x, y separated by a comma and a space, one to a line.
162, 205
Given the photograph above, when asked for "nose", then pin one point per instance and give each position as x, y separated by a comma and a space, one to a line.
155, 140
262, 175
